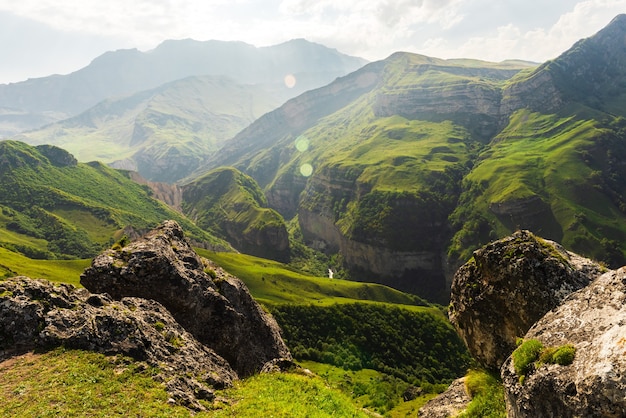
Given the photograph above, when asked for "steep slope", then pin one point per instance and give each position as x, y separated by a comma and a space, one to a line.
52, 206
409, 164
232, 204
162, 133
384, 168
556, 166
27, 104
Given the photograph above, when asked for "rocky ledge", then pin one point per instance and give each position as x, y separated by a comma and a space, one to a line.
156, 301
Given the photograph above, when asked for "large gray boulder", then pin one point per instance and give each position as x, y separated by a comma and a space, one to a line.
37, 314
509, 285
215, 307
593, 320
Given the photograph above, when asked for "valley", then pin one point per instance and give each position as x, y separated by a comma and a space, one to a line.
355, 208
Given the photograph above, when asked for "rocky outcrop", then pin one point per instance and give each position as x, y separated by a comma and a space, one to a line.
593, 320
213, 306
508, 286
36, 314
454, 400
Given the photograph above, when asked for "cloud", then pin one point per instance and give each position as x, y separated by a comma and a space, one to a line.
517, 40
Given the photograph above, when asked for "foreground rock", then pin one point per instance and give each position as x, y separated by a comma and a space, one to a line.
450, 403
508, 286
214, 307
36, 314
593, 320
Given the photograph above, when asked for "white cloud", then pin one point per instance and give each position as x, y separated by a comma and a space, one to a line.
526, 29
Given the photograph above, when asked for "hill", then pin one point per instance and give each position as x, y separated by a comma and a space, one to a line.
54, 207
35, 102
407, 165
163, 133
232, 204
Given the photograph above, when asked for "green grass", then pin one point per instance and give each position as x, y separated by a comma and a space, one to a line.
77, 383
559, 159
74, 210
66, 271
271, 282
487, 395
373, 390
287, 395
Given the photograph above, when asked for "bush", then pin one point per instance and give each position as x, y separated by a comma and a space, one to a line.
487, 395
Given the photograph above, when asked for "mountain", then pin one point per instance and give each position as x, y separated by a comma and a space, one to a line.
232, 204
30, 104
162, 133
407, 165
54, 207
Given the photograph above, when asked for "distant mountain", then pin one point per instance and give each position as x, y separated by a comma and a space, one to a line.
51, 206
32, 103
408, 164
163, 133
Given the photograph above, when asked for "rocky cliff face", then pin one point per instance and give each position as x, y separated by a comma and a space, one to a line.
507, 287
593, 321
36, 314
572, 315
218, 311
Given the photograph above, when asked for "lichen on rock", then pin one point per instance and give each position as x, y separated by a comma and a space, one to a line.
509, 285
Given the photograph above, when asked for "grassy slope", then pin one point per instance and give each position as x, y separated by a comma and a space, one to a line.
543, 156
232, 204
76, 383
191, 115
272, 283
78, 208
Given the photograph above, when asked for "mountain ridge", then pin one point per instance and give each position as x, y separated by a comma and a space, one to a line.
124, 72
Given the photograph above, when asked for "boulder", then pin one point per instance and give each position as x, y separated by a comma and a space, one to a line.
36, 314
593, 320
448, 404
507, 286
215, 307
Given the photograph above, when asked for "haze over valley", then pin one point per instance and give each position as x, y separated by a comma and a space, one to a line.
386, 224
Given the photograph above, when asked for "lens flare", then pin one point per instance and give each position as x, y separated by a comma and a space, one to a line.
302, 143
306, 170
290, 81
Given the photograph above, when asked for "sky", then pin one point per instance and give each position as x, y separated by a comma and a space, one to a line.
44, 37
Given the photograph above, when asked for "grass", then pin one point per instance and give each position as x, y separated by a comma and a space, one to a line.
66, 271
532, 353
487, 395
272, 282
372, 390
78, 383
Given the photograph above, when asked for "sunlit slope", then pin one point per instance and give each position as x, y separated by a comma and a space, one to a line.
163, 133
231, 203
558, 175
54, 207
372, 164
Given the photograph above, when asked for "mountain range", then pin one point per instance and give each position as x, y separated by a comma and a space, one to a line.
396, 171
163, 111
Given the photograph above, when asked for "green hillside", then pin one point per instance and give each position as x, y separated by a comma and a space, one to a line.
232, 204
163, 133
53, 207
404, 167
555, 174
